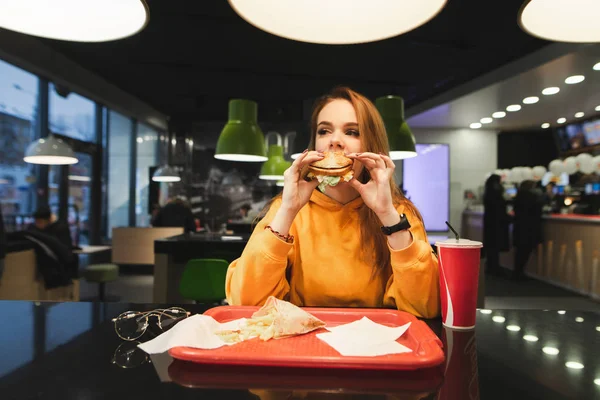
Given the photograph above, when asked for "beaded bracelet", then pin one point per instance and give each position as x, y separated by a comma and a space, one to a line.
285, 238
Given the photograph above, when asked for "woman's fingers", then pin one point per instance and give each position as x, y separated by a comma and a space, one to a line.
375, 158
307, 157
388, 162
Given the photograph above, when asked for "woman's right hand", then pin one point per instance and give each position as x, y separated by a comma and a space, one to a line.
297, 191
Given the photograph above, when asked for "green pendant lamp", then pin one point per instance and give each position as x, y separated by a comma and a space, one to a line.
275, 166
400, 137
241, 139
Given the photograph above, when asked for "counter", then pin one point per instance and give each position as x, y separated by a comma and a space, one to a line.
171, 255
568, 257
70, 351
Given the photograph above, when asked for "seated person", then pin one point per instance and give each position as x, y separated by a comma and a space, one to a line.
176, 213
46, 222
326, 247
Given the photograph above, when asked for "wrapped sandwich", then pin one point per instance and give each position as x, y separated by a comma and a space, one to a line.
275, 320
331, 170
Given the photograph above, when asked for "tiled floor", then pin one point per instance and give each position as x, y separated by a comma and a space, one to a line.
501, 293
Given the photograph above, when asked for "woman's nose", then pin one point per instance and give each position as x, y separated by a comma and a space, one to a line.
336, 142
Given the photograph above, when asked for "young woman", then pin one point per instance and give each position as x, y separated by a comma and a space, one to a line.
329, 249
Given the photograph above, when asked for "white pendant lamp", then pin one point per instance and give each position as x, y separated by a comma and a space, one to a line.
561, 20
75, 20
166, 173
337, 21
50, 151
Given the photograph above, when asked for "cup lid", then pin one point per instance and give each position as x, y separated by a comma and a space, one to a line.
452, 242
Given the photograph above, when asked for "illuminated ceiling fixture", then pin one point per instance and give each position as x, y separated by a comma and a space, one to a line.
531, 100
75, 20
241, 139
574, 365
475, 125
337, 21
50, 151
513, 108
574, 79
400, 137
549, 91
486, 120
596, 67
597, 108
166, 173
561, 20
561, 121
579, 114
499, 114
552, 351
545, 125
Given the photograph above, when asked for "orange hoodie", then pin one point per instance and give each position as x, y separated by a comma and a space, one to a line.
324, 265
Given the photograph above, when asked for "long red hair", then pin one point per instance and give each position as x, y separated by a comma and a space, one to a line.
373, 139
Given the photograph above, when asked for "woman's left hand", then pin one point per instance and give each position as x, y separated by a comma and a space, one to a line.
376, 193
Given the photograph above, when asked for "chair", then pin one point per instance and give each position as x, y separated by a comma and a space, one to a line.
203, 280
100, 274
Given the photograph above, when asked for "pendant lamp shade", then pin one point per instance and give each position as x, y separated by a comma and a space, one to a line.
275, 166
75, 20
337, 21
561, 20
166, 174
400, 137
50, 151
241, 138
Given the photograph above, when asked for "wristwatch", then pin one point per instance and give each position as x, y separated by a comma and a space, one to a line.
400, 226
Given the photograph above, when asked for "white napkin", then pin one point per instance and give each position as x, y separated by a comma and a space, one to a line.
365, 338
195, 331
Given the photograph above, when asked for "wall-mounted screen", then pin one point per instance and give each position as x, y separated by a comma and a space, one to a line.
426, 182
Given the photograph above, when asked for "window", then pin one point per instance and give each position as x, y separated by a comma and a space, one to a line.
119, 155
18, 113
148, 140
427, 184
71, 114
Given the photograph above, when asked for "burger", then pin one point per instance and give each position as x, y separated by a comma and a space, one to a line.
333, 168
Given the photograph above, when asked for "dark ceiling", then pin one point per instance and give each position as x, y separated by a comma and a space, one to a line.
195, 55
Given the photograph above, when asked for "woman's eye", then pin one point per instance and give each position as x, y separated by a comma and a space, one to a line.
352, 132
322, 131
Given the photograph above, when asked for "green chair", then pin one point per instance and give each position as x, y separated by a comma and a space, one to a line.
100, 274
203, 280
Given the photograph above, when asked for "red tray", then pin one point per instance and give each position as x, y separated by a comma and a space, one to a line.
307, 351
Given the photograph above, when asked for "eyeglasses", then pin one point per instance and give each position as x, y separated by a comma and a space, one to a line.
131, 325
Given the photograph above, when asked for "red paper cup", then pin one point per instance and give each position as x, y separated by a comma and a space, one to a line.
461, 378
459, 278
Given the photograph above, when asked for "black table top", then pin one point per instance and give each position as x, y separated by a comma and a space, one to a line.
71, 351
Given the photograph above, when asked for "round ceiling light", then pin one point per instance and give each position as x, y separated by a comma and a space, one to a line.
561, 20
574, 79
561, 121
475, 125
337, 21
579, 114
75, 20
531, 100
596, 66
499, 114
545, 125
486, 120
513, 108
597, 108
549, 91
